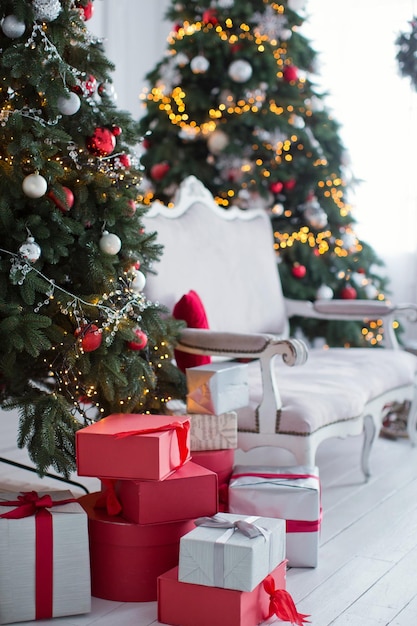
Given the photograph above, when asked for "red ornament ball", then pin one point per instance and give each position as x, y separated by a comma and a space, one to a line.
276, 187
124, 160
290, 184
66, 205
140, 343
89, 336
87, 10
348, 293
146, 143
298, 270
102, 142
159, 171
290, 73
116, 130
209, 17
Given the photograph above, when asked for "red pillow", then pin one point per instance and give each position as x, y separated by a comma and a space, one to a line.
191, 310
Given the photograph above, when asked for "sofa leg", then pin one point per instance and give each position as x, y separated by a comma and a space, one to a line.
369, 431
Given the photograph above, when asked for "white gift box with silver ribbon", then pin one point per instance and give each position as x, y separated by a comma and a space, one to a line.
231, 551
291, 493
70, 561
217, 388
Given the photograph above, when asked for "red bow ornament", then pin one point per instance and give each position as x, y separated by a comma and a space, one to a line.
108, 498
282, 605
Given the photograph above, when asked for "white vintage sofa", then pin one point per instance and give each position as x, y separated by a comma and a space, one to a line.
227, 257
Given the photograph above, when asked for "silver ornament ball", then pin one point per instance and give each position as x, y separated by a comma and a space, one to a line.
30, 250
12, 27
69, 104
139, 281
199, 65
110, 243
240, 71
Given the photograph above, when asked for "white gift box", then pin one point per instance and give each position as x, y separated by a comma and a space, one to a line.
226, 557
291, 493
217, 388
208, 432
70, 591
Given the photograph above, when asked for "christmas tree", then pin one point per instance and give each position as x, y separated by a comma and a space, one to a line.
234, 102
79, 338
406, 43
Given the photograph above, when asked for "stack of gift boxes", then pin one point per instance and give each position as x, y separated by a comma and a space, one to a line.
155, 529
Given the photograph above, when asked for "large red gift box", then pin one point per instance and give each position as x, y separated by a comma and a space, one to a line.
188, 493
126, 559
133, 446
187, 604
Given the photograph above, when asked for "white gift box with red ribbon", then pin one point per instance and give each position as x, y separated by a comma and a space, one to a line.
291, 493
217, 388
231, 551
44, 557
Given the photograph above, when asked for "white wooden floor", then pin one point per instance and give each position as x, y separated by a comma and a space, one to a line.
367, 573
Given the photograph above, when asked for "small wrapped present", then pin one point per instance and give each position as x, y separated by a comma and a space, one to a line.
185, 604
126, 559
188, 493
44, 559
133, 446
207, 431
291, 493
217, 388
231, 551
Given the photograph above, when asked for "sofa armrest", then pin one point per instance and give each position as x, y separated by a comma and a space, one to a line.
240, 345
355, 310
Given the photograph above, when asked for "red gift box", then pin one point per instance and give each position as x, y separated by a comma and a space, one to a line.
188, 493
126, 559
187, 604
133, 446
221, 462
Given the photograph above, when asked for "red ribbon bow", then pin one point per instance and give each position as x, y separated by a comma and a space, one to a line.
282, 605
181, 429
108, 499
28, 504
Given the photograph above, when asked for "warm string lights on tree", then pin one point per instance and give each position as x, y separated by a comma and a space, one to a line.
234, 102
80, 340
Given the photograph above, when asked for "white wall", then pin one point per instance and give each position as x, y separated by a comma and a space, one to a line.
134, 35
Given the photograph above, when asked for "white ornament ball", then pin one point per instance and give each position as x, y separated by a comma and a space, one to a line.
46, 10
34, 186
217, 141
138, 282
199, 65
30, 250
12, 27
69, 104
110, 243
324, 292
240, 71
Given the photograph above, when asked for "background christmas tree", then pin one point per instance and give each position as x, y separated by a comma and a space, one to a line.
79, 338
234, 102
